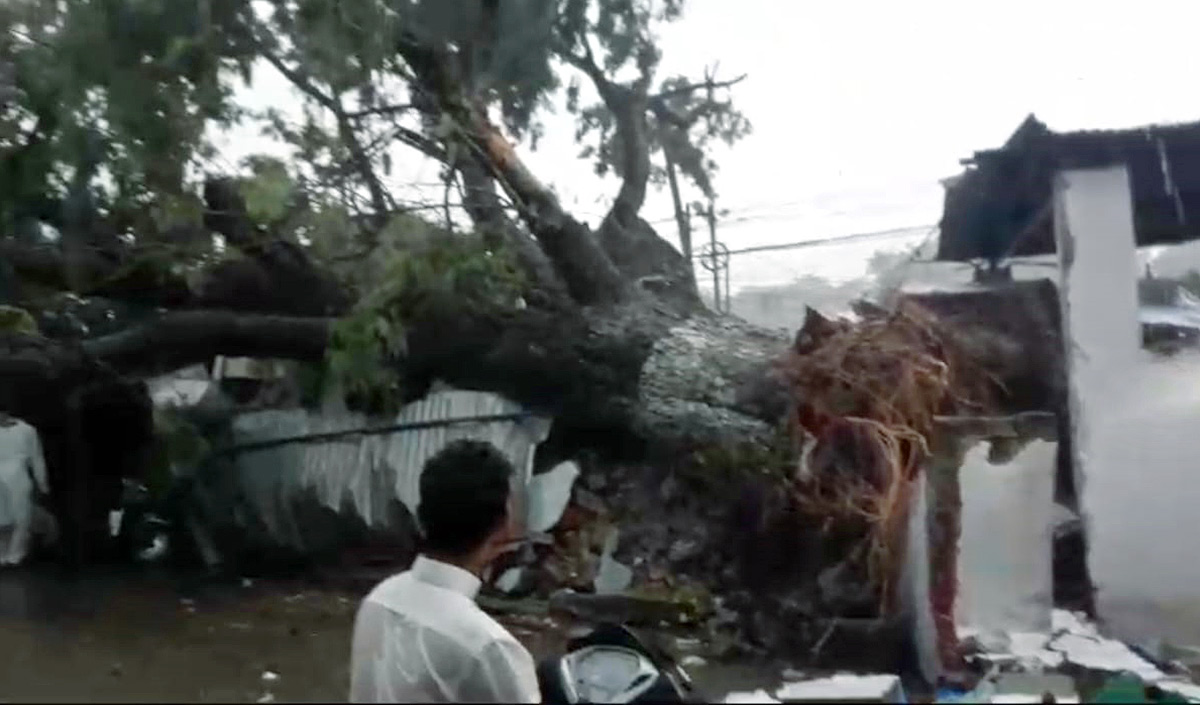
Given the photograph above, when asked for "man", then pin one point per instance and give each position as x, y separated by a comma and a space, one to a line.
419, 636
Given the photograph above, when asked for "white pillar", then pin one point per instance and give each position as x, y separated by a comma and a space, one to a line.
1098, 292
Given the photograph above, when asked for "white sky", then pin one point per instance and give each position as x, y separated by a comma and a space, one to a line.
860, 106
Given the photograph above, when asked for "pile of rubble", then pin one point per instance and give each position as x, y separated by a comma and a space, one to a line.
1071, 664
1074, 662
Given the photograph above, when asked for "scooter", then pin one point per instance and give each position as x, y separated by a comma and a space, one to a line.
611, 664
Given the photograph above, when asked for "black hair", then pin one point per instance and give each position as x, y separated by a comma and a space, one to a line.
464, 496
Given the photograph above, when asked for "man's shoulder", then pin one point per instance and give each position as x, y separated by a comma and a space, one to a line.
389, 586
453, 616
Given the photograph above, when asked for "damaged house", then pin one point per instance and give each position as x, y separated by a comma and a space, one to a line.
1093, 335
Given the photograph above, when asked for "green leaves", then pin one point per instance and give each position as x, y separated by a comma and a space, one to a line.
440, 272
268, 191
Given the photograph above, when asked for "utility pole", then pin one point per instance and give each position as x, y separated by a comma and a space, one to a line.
715, 258
711, 214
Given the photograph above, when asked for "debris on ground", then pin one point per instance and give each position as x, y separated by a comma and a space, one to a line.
757, 696
839, 687
1073, 663
844, 687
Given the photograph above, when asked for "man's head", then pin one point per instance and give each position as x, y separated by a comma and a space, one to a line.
465, 510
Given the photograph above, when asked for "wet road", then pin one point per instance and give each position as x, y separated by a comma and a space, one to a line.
135, 636
139, 637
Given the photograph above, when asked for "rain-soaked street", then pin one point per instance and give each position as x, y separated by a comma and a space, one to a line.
142, 636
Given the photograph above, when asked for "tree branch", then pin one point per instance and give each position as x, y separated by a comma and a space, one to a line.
693, 87
381, 200
587, 271
380, 110
182, 337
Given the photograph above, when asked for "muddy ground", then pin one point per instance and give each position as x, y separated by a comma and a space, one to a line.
123, 636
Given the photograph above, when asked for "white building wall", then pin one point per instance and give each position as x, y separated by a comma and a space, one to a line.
1137, 421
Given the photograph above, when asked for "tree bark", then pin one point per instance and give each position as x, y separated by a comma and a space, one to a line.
633, 367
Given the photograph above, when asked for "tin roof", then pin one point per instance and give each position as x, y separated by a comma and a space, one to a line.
1000, 206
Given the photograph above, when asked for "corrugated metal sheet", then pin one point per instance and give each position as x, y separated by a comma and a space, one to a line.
367, 471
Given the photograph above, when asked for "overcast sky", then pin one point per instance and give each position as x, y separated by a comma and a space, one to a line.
860, 107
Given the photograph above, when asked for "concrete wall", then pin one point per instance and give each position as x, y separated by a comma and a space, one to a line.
1137, 422
1004, 565
915, 584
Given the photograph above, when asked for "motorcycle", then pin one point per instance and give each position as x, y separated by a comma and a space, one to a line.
611, 664
140, 531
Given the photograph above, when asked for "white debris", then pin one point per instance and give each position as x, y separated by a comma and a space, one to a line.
843, 686
114, 522
267, 698
1105, 655
509, 579
1075, 640
1183, 688
1073, 623
270, 677
247, 582
758, 696
692, 661
611, 577
548, 495
1031, 650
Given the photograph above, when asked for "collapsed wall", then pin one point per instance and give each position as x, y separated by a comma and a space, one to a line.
1014, 331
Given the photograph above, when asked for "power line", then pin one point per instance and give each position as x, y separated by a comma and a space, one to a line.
835, 240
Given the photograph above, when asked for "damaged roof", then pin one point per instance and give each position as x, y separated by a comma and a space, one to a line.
1001, 205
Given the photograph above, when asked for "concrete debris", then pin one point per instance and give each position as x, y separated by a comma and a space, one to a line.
844, 687
612, 577
758, 696
548, 496
270, 676
1025, 666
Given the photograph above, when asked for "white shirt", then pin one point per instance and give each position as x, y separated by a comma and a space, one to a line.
420, 637
21, 466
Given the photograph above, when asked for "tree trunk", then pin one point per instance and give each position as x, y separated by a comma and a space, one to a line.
636, 366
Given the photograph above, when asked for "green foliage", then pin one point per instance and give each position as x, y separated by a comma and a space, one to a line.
444, 272
268, 190
128, 86
17, 320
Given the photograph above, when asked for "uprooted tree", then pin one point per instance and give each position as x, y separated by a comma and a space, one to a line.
106, 123
111, 206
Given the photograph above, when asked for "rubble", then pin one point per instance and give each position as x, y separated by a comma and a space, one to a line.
1074, 651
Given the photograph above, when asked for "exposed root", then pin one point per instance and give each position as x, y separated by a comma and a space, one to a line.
865, 396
